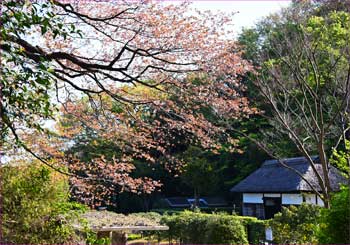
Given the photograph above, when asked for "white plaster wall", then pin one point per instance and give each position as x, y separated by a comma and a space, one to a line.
310, 198
288, 199
320, 202
253, 198
272, 195
292, 199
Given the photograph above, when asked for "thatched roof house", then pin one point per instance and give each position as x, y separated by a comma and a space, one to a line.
273, 185
273, 177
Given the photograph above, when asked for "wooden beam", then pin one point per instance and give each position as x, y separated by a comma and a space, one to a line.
131, 228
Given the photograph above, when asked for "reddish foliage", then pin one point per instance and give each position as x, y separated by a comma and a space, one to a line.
163, 68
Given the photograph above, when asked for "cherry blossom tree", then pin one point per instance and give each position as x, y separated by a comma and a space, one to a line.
148, 72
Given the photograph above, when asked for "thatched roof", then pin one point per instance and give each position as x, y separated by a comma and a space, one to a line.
273, 177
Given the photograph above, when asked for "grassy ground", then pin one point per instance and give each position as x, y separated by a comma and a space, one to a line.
145, 241
135, 239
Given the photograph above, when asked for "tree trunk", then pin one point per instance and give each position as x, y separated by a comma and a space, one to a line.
325, 170
196, 198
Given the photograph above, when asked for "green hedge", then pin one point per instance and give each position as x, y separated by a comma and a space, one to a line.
217, 228
256, 231
228, 210
296, 225
335, 222
254, 228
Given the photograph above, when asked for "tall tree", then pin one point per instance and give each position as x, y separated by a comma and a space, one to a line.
304, 79
94, 48
57, 52
109, 138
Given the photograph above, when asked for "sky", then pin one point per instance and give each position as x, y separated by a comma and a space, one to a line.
249, 11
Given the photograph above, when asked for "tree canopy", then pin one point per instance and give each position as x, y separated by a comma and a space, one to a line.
303, 71
136, 75
145, 84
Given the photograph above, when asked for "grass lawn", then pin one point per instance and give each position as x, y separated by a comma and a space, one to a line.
151, 241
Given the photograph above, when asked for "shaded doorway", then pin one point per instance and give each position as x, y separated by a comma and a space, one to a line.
272, 205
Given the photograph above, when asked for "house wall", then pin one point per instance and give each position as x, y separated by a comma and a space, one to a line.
290, 199
313, 199
272, 195
253, 198
287, 198
253, 203
320, 202
310, 198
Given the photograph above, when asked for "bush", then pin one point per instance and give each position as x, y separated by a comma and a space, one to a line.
296, 225
209, 210
256, 231
335, 222
200, 228
35, 206
225, 229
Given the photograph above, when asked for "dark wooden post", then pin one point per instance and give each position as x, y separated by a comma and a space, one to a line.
116, 237
119, 237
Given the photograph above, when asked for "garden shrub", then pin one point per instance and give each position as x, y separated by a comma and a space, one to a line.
256, 231
92, 238
200, 228
35, 206
209, 210
255, 228
223, 229
296, 225
335, 222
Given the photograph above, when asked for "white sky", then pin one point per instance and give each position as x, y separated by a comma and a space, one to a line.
249, 11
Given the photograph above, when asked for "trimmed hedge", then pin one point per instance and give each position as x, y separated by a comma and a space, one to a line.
228, 210
256, 231
254, 228
218, 228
